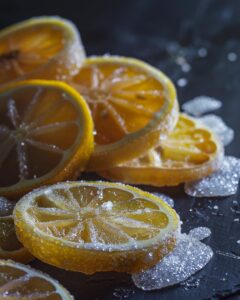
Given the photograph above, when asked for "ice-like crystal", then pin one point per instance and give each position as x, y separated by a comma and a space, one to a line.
220, 184
166, 199
200, 233
218, 126
189, 257
6, 207
201, 105
182, 82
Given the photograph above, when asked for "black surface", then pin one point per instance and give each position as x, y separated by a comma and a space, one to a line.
158, 31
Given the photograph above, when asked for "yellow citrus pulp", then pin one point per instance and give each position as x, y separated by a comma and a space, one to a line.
45, 135
96, 226
132, 105
190, 152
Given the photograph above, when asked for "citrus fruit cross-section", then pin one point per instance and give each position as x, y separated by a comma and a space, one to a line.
43, 47
45, 135
10, 247
132, 105
18, 281
190, 152
96, 226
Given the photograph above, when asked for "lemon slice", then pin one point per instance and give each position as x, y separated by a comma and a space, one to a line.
189, 153
18, 281
132, 105
45, 135
96, 226
42, 47
10, 247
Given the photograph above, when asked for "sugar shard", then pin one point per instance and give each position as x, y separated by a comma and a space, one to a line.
189, 257
222, 183
201, 105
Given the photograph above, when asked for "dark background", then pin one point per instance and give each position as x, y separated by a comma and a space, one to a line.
159, 32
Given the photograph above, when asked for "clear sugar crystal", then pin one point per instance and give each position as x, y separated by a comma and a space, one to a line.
6, 207
218, 126
201, 105
220, 184
165, 198
189, 257
200, 233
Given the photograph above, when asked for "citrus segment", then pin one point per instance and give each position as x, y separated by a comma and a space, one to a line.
190, 152
43, 47
45, 135
132, 104
18, 281
10, 247
96, 226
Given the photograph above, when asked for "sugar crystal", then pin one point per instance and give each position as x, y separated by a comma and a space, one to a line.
165, 198
201, 105
6, 207
220, 184
189, 257
218, 126
200, 233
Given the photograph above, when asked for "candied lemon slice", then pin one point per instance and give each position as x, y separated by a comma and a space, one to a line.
96, 226
132, 105
10, 247
18, 281
42, 47
189, 153
45, 135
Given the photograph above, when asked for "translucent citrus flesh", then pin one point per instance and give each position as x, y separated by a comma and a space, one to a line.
10, 247
45, 135
18, 281
190, 152
46, 47
96, 226
131, 103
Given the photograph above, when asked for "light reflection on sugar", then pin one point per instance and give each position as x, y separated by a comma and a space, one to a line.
189, 256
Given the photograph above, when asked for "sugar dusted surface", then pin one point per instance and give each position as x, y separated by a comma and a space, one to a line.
189, 257
222, 183
6, 207
201, 105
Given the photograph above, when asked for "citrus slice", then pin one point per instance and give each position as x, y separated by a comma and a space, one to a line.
189, 153
45, 135
96, 226
42, 47
132, 105
18, 281
10, 247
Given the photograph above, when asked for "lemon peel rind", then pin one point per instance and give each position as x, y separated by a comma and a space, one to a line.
59, 289
144, 139
28, 222
80, 153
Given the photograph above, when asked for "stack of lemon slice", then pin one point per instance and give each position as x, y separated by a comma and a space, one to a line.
61, 114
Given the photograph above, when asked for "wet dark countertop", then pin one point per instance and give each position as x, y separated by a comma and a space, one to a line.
159, 32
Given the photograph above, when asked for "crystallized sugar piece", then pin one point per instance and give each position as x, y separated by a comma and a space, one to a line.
189, 257
166, 199
6, 207
218, 126
200, 233
220, 184
201, 105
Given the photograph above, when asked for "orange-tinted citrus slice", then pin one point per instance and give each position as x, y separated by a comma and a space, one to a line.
96, 226
132, 105
45, 135
10, 247
18, 281
189, 153
42, 47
